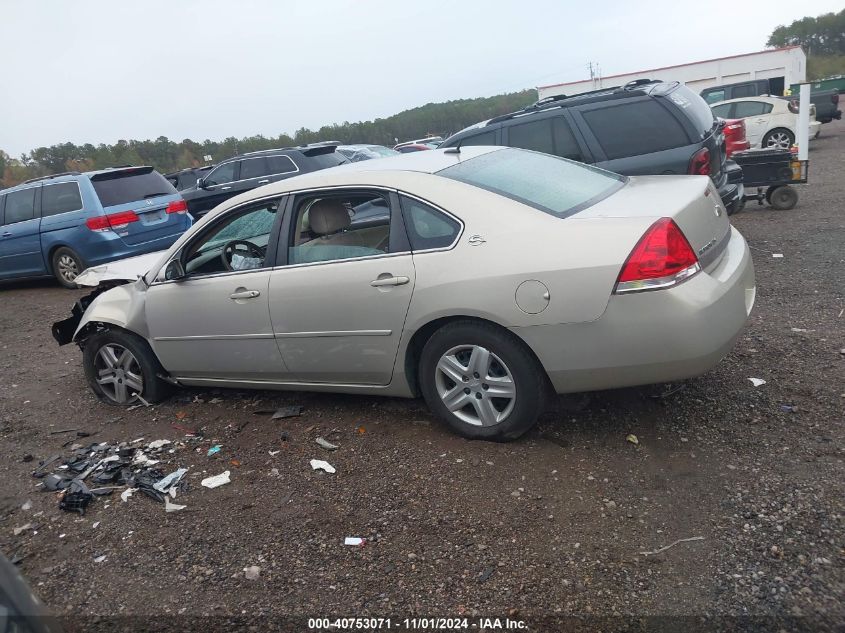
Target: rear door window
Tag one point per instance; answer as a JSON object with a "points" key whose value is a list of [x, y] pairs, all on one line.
{"points": [[427, 227], [62, 197], [253, 168], [744, 109], [20, 205], [715, 96], [745, 90], [485, 138], [635, 128], [281, 165], [122, 186], [551, 136]]}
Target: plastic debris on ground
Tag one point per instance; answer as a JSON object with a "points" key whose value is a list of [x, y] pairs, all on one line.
{"points": [[100, 559], [633, 439], [252, 572], [172, 507], [27, 506], [216, 480], [214, 450], [777, 255], [354, 540], [20, 530], [788, 408], [326, 444], [170, 480], [757, 381], [287, 412], [319, 464], [124, 496]]}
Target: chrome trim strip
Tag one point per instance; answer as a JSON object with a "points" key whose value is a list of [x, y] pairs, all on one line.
{"points": [[286, 383], [624, 287], [334, 333], [213, 337]]}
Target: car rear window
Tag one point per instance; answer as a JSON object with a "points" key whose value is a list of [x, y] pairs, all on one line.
{"points": [[553, 185], [323, 161], [635, 128], [120, 187], [695, 107], [58, 198]]}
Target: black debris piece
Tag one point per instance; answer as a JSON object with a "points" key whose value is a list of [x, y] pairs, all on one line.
{"points": [[55, 482], [27, 458], [75, 501], [41, 471], [288, 412]]}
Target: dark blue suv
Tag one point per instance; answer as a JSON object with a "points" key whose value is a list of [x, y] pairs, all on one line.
{"points": [[61, 224]]}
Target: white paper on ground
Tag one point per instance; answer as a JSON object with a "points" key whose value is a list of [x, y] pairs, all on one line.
{"points": [[216, 480], [319, 464]]}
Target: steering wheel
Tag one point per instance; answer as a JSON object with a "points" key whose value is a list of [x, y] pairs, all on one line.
{"points": [[243, 247]]}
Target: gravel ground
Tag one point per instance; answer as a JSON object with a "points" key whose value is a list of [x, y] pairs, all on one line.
{"points": [[549, 531]]}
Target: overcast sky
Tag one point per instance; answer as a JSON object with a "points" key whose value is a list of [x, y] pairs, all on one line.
{"points": [[98, 70]]}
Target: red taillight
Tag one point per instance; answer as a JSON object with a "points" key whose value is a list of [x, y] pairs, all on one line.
{"points": [[699, 164], [112, 221], [178, 206], [662, 258]]}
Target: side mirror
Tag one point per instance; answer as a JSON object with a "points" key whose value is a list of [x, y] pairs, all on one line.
{"points": [[201, 184], [174, 270]]}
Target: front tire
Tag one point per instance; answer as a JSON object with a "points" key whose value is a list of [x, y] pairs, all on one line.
{"points": [[779, 138], [66, 266], [783, 198], [120, 366], [482, 381]]}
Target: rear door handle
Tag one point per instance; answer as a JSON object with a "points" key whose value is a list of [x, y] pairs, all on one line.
{"points": [[261, 182], [224, 188], [245, 294], [389, 281]]}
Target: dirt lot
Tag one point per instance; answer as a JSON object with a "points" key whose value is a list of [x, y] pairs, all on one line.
{"points": [[547, 528]]}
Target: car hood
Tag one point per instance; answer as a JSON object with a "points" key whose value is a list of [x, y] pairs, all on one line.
{"points": [[128, 269]]}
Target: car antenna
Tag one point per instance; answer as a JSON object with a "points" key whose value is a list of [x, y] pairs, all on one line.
{"points": [[453, 150]]}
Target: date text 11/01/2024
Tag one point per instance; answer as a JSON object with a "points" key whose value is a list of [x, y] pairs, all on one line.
{"points": [[417, 624]]}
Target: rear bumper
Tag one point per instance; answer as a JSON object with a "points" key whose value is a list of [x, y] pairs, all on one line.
{"points": [[114, 249], [732, 190], [652, 337]]}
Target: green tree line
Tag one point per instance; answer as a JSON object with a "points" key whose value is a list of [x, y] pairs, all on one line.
{"points": [[167, 156]]}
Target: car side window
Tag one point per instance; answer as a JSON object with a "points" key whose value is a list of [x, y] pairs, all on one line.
{"points": [[533, 135], [427, 227], [714, 96], [634, 128], [238, 242], [745, 90], [20, 205], [62, 197], [253, 168], [281, 165], [335, 226], [723, 110], [485, 138], [745, 109], [223, 174]]}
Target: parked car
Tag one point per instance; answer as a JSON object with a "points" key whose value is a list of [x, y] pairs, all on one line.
{"points": [[408, 148], [826, 101], [248, 171], [187, 178], [495, 275], [769, 121], [58, 225], [735, 137], [644, 127], [365, 152], [429, 142]]}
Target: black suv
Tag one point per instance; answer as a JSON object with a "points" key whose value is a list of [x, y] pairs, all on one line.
{"points": [[187, 178], [242, 173], [643, 127]]}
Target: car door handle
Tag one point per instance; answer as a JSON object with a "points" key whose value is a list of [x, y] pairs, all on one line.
{"points": [[7, 234], [261, 182], [389, 281], [245, 294], [224, 188]]}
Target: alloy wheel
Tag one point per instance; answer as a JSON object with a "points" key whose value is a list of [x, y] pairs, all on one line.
{"points": [[118, 373], [67, 267], [475, 385], [779, 140]]}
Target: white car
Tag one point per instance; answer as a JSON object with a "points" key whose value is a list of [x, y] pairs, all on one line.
{"points": [[769, 121]]}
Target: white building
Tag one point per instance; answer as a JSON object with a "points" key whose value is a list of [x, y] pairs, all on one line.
{"points": [[786, 65]]}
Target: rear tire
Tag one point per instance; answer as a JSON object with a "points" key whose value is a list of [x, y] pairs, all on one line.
{"points": [[779, 138], [66, 266], [465, 363], [783, 198], [119, 365]]}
